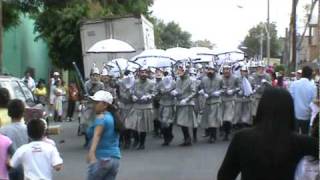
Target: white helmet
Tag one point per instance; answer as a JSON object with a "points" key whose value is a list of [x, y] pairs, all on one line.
{"points": [[226, 66], [104, 72], [192, 71], [95, 70], [261, 64], [244, 68], [144, 68]]}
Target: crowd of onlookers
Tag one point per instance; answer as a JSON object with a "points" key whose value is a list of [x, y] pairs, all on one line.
{"points": [[25, 151]]}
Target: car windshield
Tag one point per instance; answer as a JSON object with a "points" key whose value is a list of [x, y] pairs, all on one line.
{"points": [[18, 91]]}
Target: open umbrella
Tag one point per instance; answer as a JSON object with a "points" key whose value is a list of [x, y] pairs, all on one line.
{"points": [[111, 46], [180, 54], [153, 58]]}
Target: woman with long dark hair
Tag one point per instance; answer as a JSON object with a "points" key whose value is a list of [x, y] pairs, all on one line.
{"points": [[271, 149], [104, 152]]}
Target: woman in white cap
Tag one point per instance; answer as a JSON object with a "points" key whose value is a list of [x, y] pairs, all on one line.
{"points": [[104, 152]]}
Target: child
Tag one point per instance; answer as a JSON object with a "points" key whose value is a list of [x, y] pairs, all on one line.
{"points": [[38, 157], [45, 138], [5, 148], [17, 130]]}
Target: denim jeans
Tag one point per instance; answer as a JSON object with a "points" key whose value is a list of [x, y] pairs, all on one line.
{"points": [[104, 169]]}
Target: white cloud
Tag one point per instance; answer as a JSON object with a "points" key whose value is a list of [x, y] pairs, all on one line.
{"points": [[221, 21]]}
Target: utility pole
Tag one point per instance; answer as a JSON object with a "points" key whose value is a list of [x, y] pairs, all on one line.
{"points": [[294, 34], [268, 33], [261, 45]]}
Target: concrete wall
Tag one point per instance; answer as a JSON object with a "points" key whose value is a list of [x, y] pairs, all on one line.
{"points": [[20, 51]]}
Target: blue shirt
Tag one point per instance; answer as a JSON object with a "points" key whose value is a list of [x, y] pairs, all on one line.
{"points": [[109, 143], [303, 92]]}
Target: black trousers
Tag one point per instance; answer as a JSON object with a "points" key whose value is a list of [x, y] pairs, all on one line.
{"points": [[167, 133], [71, 107], [226, 128], [186, 134], [303, 125], [212, 132]]}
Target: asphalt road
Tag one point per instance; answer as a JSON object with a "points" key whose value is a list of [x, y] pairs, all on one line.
{"points": [[198, 162]]}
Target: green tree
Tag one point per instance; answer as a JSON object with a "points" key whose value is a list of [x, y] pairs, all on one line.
{"points": [[252, 41], [59, 23], [12, 10], [203, 43], [171, 35]]}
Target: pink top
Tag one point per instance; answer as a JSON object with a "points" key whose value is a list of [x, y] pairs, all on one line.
{"points": [[5, 143]]}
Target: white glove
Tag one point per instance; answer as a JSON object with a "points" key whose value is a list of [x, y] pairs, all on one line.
{"points": [[205, 95], [174, 93], [144, 98], [230, 92], [263, 81], [201, 92], [240, 92], [183, 102], [216, 93], [134, 98]]}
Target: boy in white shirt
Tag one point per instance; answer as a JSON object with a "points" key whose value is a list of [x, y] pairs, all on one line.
{"points": [[38, 157]]}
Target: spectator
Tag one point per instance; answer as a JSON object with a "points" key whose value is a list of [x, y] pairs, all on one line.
{"points": [[38, 157], [308, 167], [73, 94], [59, 93], [5, 151], [29, 81], [303, 92], [16, 131], [52, 82], [41, 92], [298, 74], [271, 149], [104, 153], [4, 99]]}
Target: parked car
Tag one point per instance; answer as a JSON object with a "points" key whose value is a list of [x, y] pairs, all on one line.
{"points": [[18, 90]]}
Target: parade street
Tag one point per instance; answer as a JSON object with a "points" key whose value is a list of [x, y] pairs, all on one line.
{"points": [[198, 162]]}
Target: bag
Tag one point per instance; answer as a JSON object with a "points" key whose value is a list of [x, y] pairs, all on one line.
{"points": [[307, 169]]}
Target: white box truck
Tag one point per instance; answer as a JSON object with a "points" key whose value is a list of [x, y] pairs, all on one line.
{"points": [[135, 30]]}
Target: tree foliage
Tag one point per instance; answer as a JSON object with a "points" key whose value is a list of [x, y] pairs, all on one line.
{"points": [[252, 41], [170, 35], [12, 10], [203, 43], [58, 21]]}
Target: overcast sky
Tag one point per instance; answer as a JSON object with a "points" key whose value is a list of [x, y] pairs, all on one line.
{"points": [[222, 21]]}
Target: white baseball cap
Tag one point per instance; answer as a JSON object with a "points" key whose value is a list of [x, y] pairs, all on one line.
{"points": [[56, 74], [103, 96]]}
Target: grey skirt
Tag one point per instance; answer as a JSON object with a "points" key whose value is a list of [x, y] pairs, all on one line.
{"points": [[228, 110], [211, 116], [140, 120], [167, 115], [185, 116]]}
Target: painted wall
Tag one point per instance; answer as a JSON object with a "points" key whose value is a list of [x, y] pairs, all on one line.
{"points": [[20, 51]]}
